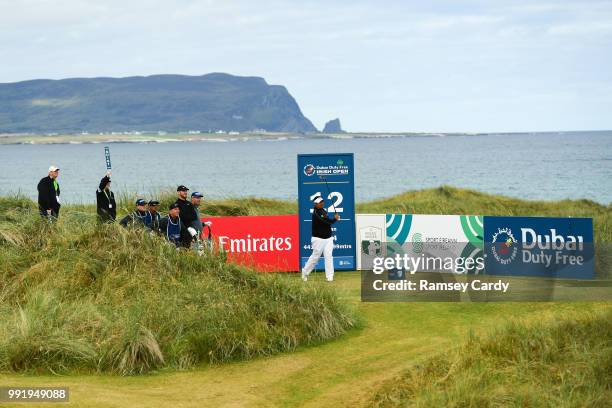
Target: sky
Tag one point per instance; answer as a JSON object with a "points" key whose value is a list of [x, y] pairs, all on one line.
{"points": [[379, 66]]}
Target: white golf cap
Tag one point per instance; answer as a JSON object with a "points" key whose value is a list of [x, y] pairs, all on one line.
{"points": [[53, 168], [317, 200]]}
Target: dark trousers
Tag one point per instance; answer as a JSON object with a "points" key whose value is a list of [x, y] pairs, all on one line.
{"points": [[54, 213]]}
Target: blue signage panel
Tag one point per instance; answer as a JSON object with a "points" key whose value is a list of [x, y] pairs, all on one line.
{"points": [[332, 177], [537, 246]]}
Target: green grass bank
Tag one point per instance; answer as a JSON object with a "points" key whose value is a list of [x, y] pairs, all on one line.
{"points": [[560, 360], [76, 297]]}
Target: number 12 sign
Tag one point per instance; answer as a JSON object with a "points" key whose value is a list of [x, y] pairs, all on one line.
{"points": [[332, 177]]}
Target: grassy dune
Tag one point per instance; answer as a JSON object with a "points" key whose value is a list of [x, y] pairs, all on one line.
{"points": [[562, 360], [345, 372], [78, 296], [441, 200], [393, 339]]}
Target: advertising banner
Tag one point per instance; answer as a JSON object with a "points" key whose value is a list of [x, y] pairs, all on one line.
{"points": [[435, 236], [406, 257], [371, 239], [330, 176], [538, 246], [419, 237], [268, 243]]}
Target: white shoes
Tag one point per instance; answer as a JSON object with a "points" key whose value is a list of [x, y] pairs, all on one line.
{"points": [[305, 277]]}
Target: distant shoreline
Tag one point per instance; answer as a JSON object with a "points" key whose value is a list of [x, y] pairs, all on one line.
{"points": [[163, 137]]}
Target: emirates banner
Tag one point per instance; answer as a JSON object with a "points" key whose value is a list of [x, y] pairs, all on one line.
{"points": [[267, 243]]}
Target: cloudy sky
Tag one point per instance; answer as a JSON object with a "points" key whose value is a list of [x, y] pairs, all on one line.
{"points": [[431, 66]]}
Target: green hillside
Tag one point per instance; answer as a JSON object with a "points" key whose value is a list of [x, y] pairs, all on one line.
{"points": [[560, 360], [54, 298], [168, 103], [79, 296]]}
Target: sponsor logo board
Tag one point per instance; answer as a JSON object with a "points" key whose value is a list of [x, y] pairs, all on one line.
{"points": [[419, 236], [539, 246], [330, 176], [267, 243]]}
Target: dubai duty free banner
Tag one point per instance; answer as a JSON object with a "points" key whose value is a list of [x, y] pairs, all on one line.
{"points": [[559, 248], [405, 257]]}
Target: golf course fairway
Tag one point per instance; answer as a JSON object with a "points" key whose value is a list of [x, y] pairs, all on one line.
{"points": [[344, 372]]}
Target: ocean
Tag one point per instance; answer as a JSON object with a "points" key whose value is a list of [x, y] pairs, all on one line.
{"points": [[544, 166]]}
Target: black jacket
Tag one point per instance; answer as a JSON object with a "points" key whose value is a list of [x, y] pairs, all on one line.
{"points": [[321, 223], [134, 218], [47, 196], [155, 220], [185, 237], [188, 213], [105, 202]]}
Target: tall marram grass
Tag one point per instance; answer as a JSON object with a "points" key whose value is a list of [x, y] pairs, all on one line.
{"points": [[79, 296], [564, 360], [452, 200]]}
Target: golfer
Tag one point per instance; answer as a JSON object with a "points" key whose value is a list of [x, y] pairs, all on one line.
{"points": [[49, 194], [322, 240]]}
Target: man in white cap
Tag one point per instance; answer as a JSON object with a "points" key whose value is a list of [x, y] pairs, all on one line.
{"points": [[322, 240], [49, 194]]}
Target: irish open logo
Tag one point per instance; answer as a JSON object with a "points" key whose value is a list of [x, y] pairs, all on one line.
{"points": [[309, 169], [504, 246]]}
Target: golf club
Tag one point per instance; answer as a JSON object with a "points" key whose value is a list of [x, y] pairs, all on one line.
{"points": [[329, 193], [200, 242]]}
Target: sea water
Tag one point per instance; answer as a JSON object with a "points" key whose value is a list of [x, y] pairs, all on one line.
{"points": [[547, 166]]}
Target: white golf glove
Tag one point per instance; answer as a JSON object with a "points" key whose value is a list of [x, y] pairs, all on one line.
{"points": [[192, 231], [208, 223]]}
